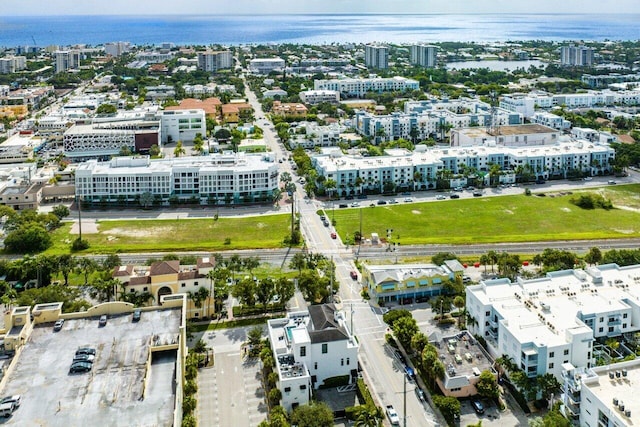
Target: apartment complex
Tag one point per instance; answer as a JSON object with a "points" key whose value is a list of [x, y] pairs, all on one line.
{"points": [[408, 283], [182, 125], [423, 55], [314, 97], [219, 178], [550, 120], [315, 135], [166, 278], [422, 168], [310, 347], [288, 109], [12, 64], [117, 48], [67, 60], [266, 65], [602, 396], [543, 324], [356, 87], [212, 61], [579, 56], [376, 56]]}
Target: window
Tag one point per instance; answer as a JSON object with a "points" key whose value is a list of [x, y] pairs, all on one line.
{"points": [[550, 365], [303, 387], [610, 328], [552, 354], [287, 389], [566, 361], [183, 285], [325, 348], [315, 366], [341, 362], [624, 325], [624, 315], [145, 289], [303, 351], [602, 319], [195, 283], [600, 329], [487, 313], [566, 352], [347, 361], [589, 355]]}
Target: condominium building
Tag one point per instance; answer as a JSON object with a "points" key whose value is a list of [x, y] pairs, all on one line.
{"points": [[602, 396], [153, 57], [288, 109], [315, 135], [67, 60], [408, 283], [550, 120], [376, 56], [421, 169], [423, 55], [182, 125], [310, 347], [220, 178], [266, 65], [166, 278], [12, 64], [356, 87], [212, 61], [314, 97], [117, 48], [579, 56], [543, 324], [513, 136], [103, 140]]}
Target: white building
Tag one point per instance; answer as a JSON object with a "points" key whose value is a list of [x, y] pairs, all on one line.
{"points": [[117, 48], [310, 347], [376, 56], [212, 61], [576, 55], [550, 120], [272, 93], [182, 125], [518, 135], [67, 60], [12, 64], [153, 57], [423, 55], [602, 396], [314, 97], [220, 178], [419, 170], [545, 323], [356, 87], [266, 65], [315, 135]]}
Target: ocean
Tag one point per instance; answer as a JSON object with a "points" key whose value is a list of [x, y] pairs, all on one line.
{"points": [[312, 29]]}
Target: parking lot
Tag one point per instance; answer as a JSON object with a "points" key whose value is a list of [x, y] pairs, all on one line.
{"points": [[113, 393]]}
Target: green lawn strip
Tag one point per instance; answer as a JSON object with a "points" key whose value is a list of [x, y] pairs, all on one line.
{"points": [[169, 235], [516, 218]]}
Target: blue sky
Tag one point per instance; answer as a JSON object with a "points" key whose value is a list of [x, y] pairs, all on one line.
{"points": [[150, 7]]}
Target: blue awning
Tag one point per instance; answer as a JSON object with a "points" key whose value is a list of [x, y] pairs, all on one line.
{"points": [[411, 284], [423, 282], [389, 287], [437, 280]]}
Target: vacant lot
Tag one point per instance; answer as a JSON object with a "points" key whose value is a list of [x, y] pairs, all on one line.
{"points": [[499, 219], [267, 231]]}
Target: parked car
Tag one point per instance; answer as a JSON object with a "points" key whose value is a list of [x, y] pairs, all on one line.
{"points": [[137, 313], [411, 375], [393, 201], [362, 196], [6, 409], [103, 320], [454, 196], [419, 394], [382, 202], [354, 275], [440, 197], [326, 223], [83, 358], [394, 419], [477, 194], [355, 204], [334, 235], [401, 358], [58, 325], [477, 406], [80, 367], [408, 199], [16, 399], [86, 350], [611, 182]]}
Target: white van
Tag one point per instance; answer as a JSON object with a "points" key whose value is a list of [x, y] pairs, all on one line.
{"points": [[6, 409]]}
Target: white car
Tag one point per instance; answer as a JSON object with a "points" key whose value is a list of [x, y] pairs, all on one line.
{"points": [[408, 199], [393, 416], [440, 197]]}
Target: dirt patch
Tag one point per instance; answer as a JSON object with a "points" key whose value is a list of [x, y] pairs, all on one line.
{"points": [[508, 211], [416, 212], [147, 232], [565, 209], [261, 225], [89, 226], [624, 231]]}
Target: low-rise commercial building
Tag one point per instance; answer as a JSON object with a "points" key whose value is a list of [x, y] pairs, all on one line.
{"points": [[214, 179], [314, 97], [356, 87], [293, 109], [182, 125], [266, 65], [406, 283], [310, 347]]}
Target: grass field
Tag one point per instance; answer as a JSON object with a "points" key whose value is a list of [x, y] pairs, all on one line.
{"points": [[177, 235], [517, 218]]}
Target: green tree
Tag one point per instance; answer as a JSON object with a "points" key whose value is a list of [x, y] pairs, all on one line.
{"points": [[106, 109], [28, 238], [448, 406], [368, 416], [285, 289], [179, 150], [66, 264], [265, 290], [487, 385], [548, 385], [594, 256], [254, 340], [146, 199], [245, 291], [154, 150], [404, 329], [317, 414], [391, 316], [441, 257], [61, 211]]}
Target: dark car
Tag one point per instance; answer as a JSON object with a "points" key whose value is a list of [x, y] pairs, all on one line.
{"points": [[477, 194], [80, 367], [454, 196], [382, 202], [349, 198], [86, 350], [419, 394], [411, 375], [362, 196], [477, 406], [401, 358], [136, 315], [83, 358]]}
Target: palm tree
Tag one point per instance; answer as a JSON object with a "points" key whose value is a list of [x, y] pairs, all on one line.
{"points": [[179, 150], [368, 416]]}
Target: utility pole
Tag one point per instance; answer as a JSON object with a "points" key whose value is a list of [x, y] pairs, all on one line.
{"points": [[405, 400]]}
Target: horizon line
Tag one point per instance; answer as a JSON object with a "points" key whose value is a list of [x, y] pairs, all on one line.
{"points": [[325, 14]]}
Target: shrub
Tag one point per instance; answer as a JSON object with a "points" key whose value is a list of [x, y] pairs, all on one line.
{"points": [[364, 394], [335, 381], [350, 412], [591, 201]]}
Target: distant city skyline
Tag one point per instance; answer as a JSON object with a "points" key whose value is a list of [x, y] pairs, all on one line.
{"points": [[258, 7]]}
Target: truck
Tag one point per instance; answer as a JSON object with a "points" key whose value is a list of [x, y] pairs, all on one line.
{"points": [[393, 416]]}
